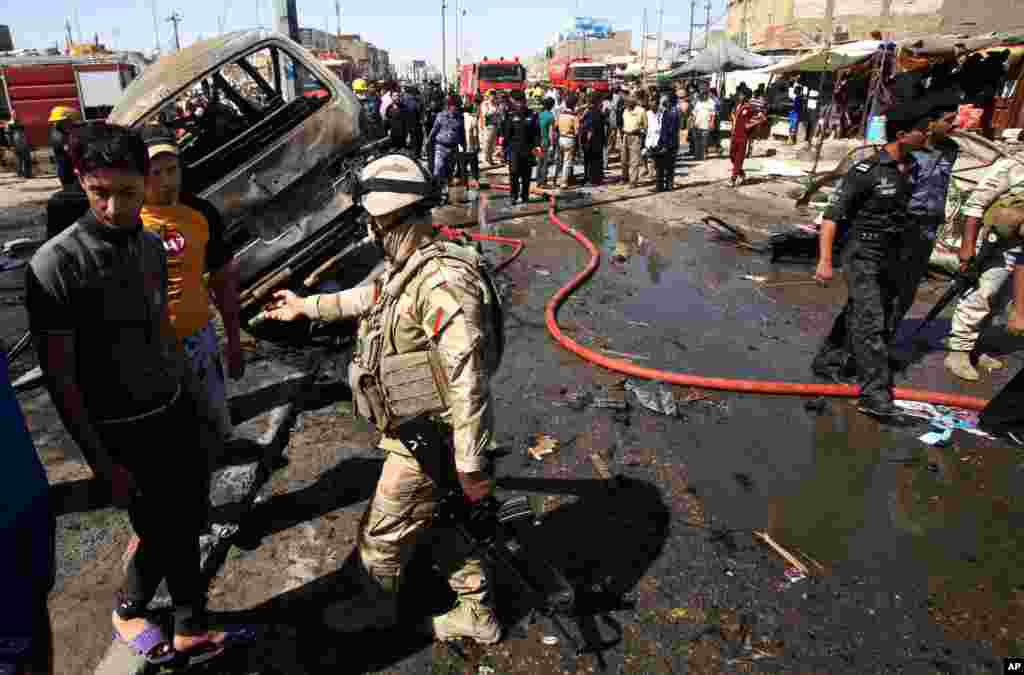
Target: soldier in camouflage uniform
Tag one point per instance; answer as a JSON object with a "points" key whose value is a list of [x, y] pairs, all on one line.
{"points": [[434, 299], [872, 202]]}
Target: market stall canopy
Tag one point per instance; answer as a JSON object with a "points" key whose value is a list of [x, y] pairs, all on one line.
{"points": [[836, 58], [945, 45], [723, 57]]}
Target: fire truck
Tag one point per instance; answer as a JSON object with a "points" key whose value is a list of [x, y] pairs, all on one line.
{"points": [[341, 66], [477, 78], [579, 74], [32, 86]]}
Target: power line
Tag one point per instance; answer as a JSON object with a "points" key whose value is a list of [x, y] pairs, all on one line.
{"points": [[175, 18]]}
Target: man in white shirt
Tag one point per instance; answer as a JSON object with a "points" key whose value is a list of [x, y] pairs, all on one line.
{"points": [[703, 123]]}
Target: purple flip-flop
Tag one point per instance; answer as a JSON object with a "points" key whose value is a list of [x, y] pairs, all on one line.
{"points": [[147, 641]]}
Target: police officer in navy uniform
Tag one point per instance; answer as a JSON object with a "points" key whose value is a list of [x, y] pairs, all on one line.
{"points": [[872, 202], [521, 132]]}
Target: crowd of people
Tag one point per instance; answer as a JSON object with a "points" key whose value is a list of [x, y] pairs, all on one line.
{"points": [[119, 306]]}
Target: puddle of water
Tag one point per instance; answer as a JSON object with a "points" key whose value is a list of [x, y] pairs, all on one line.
{"points": [[951, 518]]}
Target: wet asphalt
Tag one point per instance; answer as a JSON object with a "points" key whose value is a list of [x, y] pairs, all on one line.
{"points": [[914, 551]]}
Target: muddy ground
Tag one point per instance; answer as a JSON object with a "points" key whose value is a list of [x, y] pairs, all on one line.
{"points": [[913, 551]]}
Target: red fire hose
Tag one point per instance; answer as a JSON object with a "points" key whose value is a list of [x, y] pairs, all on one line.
{"points": [[685, 379]]}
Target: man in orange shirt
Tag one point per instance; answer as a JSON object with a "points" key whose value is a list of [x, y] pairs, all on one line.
{"points": [[192, 232]]}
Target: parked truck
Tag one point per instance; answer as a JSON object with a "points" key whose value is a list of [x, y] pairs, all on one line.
{"points": [[35, 85], [579, 74], [476, 79]]}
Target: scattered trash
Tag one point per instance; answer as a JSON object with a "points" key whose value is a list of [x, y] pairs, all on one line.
{"points": [[787, 556], [550, 640], [817, 405], [660, 401], [544, 446], [612, 403], [942, 419], [694, 395], [544, 273], [774, 167], [485, 670], [744, 480], [600, 465], [753, 277], [793, 575], [639, 324], [626, 355], [937, 439]]}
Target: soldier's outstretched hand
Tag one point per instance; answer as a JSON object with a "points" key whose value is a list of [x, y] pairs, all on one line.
{"points": [[285, 306]]}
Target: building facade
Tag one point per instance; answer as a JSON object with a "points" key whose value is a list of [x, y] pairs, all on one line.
{"points": [[370, 61], [788, 24], [619, 43]]}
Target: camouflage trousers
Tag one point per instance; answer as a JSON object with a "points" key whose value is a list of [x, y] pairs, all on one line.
{"points": [[401, 511], [863, 329]]}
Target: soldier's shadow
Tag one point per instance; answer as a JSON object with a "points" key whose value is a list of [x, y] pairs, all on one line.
{"points": [[603, 542]]}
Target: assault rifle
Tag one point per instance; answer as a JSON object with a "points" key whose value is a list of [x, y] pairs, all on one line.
{"points": [[965, 280], [489, 528]]}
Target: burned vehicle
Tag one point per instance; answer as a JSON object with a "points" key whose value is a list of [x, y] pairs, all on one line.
{"points": [[272, 139]]}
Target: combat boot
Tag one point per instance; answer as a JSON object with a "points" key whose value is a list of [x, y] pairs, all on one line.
{"points": [[374, 607], [959, 363], [469, 619], [990, 363]]}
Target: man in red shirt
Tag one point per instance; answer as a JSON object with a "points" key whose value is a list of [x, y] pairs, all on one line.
{"points": [[744, 121]]}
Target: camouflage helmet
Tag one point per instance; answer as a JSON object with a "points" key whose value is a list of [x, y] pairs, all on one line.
{"points": [[394, 182]]}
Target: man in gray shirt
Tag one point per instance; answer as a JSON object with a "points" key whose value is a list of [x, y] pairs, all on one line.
{"points": [[97, 302]]}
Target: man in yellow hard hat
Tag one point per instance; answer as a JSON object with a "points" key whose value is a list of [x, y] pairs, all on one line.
{"points": [[62, 118], [359, 86]]}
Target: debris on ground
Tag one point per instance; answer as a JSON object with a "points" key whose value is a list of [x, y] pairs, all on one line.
{"points": [[627, 355], [754, 278], [789, 557], [600, 465], [942, 419], [818, 405], [544, 446], [550, 640], [744, 481], [543, 272], [659, 401]]}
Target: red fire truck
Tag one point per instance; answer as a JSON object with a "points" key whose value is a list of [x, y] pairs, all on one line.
{"points": [[578, 74], [477, 78], [32, 86]]}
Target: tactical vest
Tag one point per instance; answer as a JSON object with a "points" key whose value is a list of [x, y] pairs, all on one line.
{"points": [[392, 390]]}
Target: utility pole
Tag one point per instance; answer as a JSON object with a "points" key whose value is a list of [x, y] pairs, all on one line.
{"points": [[707, 26], [337, 11], [67, 26], [661, 21], [643, 51], [175, 18], [156, 26], [444, 49], [746, 26], [689, 45]]}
